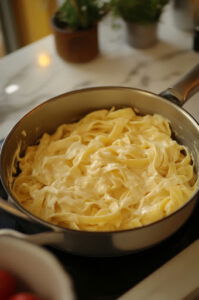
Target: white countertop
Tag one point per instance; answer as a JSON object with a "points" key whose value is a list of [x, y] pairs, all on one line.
{"points": [[178, 279], [35, 73]]}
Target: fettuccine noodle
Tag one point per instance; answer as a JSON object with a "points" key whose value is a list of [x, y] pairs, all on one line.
{"points": [[112, 170]]}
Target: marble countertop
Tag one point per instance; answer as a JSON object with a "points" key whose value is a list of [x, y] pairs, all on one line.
{"points": [[35, 73]]}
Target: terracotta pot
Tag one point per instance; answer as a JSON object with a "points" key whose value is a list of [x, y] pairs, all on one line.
{"points": [[76, 46], [141, 36]]}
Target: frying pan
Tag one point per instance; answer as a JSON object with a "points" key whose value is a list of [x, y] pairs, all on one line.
{"points": [[73, 105]]}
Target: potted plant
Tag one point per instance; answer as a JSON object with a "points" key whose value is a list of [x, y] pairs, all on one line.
{"points": [[141, 18], [75, 25]]}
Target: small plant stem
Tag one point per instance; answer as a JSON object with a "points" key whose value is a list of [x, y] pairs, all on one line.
{"points": [[75, 4]]}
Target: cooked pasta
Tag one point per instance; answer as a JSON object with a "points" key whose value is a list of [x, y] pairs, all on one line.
{"points": [[112, 170]]}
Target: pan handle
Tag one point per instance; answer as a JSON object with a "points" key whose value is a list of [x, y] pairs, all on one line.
{"points": [[188, 85], [44, 238], [5, 205]]}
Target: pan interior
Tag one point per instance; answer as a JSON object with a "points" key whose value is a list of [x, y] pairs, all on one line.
{"points": [[72, 106]]}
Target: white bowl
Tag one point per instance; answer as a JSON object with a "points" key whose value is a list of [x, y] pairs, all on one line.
{"points": [[36, 268]]}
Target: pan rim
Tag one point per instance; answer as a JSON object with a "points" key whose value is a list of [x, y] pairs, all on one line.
{"points": [[59, 228]]}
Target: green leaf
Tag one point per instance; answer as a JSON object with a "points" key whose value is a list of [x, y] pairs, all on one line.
{"points": [[139, 11], [81, 14]]}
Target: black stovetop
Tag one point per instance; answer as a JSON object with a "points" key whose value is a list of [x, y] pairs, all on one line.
{"points": [[109, 278]]}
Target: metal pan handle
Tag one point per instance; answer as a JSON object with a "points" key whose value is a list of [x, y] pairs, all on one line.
{"points": [[44, 238], [188, 85], [5, 205]]}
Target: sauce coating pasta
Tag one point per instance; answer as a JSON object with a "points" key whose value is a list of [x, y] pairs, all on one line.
{"points": [[112, 170]]}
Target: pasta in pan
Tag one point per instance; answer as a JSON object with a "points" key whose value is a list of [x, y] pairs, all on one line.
{"points": [[112, 170]]}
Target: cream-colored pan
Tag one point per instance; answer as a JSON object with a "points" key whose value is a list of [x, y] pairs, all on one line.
{"points": [[73, 105]]}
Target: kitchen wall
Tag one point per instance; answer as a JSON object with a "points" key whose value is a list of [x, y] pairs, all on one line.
{"points": [[25, 21], [2, 46], [33, 19]]}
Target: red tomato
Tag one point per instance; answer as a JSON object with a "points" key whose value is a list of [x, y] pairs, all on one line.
{"points": [[7, 284], [24, 296]]}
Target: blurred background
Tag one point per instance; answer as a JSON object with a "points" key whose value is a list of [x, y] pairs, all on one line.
{"points": [[23, 22]]}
